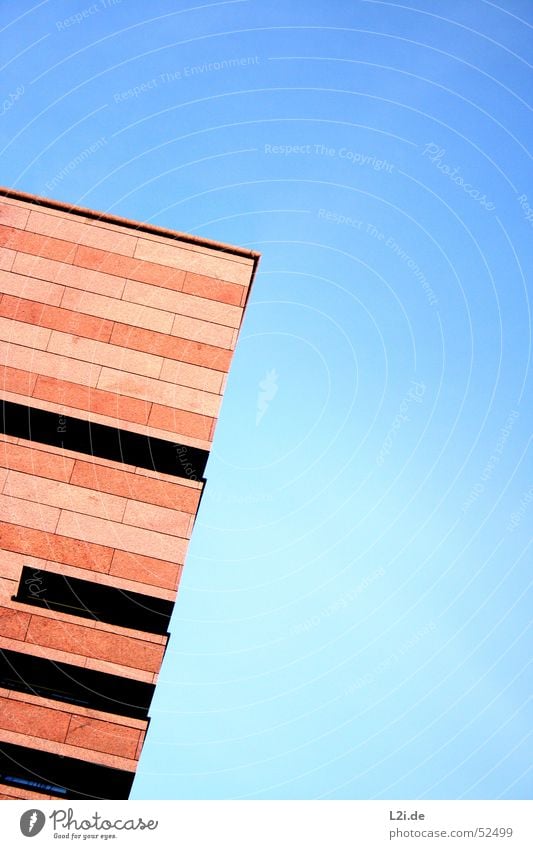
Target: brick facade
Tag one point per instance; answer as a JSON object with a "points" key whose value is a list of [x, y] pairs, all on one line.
{"points": [[115, 339]]}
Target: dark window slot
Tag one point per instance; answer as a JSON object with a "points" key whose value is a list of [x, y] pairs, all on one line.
{"points": [[68, 778], [76, 685], [93, 601], [103, 441]]}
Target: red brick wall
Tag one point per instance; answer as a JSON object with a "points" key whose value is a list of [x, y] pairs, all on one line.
{"points": [[130, 327]]}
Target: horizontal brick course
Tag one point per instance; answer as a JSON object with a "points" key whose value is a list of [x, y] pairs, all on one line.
{"points": [[159, 391], [173, 522], [13, 623], [199, 260], [31, 243], [133, 269], [22, 458], [55, 318], [13, 216], [145, 569], [130, 485], [127, 538], [217, 290], [17, 380], [63, 495], [54, 547], [7, 258], [173, 435], [67, 750], [23, 286], [182, 303], [178, 421], [31, 359], [94, 351], [28, 514], [110, 404], [122, 311], [103, 736], [34, 720], [125, 651]]}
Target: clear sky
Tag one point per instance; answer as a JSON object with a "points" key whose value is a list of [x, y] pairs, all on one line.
{"points": [[353, 616]]}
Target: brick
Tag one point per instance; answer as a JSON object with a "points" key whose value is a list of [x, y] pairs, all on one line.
{"points": [[112, 421], [31, 243], [17, 380], [197, 259], [7, 258], [202, 331], [22, 458], [183, 304], [8, 588], [77, 455], [77, 711], [64, 496], [146, 570], [78, 398], [27, 287], [180, 422], [81, 233], [136, 487], [155, 518], [171, 347], [45, 363], [73, 276], [55, 547], [103, 736], [31, 719], [217, 290], [70, 345], [102, 578], [21, 512], [125, 651], [125, 537], [133, 269], [13, 623], [45, 651], [185, 374], [168, 394], [120, 669], [135, 314], [55, 318], [13, 216]]}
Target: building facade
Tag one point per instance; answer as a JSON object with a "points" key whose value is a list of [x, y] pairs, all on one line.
{"points": [[116, 338]]}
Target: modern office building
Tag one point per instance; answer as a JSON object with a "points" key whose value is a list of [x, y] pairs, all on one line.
{"points": [[116, 339]]}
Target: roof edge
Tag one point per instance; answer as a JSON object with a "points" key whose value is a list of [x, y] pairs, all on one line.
{"points": [[126, 222]]}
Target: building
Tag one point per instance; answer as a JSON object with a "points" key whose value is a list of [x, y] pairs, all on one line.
{"points": [[116, 338]]}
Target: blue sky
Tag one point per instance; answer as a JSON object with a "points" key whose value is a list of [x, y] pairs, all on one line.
{"points": [[353, 618]]}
